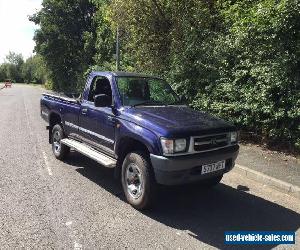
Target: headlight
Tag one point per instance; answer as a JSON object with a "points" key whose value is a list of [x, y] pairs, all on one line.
{"points": [[233, 137], [173, 146], [180, 145]]}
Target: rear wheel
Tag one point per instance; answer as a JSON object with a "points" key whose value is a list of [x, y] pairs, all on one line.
{"points": [[60, 150], [138, 181]]}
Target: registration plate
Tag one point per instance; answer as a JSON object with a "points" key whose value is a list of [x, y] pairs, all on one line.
{"points": [[213, 167]]}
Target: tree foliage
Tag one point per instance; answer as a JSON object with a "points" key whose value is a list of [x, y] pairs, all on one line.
{"points": [[64, 38], [258, 69], [32, 70], [12, 67], [237, 59]]}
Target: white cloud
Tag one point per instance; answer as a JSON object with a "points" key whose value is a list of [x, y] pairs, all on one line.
{"points": [[16, 31]]}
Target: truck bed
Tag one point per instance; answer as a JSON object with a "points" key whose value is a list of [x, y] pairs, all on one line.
{"points": [[68, 97], [55, 102]]}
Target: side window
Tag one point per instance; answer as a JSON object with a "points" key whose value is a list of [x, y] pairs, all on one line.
{"points": [[91, 93], [99, 85]]}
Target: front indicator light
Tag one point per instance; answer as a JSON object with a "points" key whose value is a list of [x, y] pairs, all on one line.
{"points": [[167, 146], [233, 137]]}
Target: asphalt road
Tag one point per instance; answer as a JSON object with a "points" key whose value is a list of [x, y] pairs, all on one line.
{"points": [[76, 204]]}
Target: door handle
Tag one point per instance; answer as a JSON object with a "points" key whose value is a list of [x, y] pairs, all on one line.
{"points": [[84, 111]]}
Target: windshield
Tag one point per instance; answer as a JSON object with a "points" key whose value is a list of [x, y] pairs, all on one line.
{"points": [[136, 91]]}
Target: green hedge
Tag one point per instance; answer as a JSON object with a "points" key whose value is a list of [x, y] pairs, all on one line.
{"points": [[249, 71]]}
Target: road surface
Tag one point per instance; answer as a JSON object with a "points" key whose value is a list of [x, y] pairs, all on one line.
{"points": [[76, 204]]}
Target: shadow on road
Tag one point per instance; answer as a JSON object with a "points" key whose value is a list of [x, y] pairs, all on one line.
{"points": [[204, 213]]}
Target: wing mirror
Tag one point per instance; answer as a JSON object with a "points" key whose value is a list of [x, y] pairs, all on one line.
{"points": [[102, 100]]}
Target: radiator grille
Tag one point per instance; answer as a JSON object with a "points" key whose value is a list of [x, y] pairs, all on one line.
{"points": [[210, 142]]}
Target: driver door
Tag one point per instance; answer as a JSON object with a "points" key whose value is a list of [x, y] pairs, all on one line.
{"points": [[97, 125]]}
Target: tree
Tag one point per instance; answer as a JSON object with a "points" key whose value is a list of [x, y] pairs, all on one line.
{"points": [[236, 59], [14, 66], [64, 38], [145, 27], [105, 36], [3, 72], [258, 86], [34, 70], [15, 59]]}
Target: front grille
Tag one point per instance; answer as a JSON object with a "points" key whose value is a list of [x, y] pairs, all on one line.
{"points": [[210, 142]]}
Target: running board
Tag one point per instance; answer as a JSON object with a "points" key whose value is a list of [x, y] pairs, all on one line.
{"points": [[90, 152]]}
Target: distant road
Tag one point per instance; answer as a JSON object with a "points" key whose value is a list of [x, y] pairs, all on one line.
{"points": [[49, 204]]}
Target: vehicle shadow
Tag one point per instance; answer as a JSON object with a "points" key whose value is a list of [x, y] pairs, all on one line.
{"points": [[204, 213]]}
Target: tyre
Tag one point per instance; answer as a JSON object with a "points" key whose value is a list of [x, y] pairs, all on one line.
{"points": [[138, 180], [60, 151]]}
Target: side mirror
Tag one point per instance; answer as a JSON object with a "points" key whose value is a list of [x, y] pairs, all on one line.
{"points": [[102, 100]]}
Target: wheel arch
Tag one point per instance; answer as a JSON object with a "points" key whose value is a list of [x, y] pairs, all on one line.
{"points": [[126, 145]]}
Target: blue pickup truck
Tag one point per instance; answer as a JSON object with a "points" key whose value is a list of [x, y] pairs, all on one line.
{"points": [[139, 126]]}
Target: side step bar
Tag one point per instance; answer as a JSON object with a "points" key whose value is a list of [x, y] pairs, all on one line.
{"points": [[90, 152]]}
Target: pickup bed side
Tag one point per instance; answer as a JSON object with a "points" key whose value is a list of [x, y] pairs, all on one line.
{"points": [[57, 110]]}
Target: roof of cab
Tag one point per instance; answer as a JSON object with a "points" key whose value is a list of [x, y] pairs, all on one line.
{"points": [[121, 73]]}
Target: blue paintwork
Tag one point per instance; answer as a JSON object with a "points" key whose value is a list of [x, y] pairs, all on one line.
{"points": [[145, 124]]}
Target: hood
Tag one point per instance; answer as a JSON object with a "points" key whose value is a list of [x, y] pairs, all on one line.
{"points": [[176, 120]]}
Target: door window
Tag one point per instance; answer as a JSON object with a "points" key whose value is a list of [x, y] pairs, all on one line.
{"points": [[99, 85]]}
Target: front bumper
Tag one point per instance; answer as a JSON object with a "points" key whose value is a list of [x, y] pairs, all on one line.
{"points": [[186, 169]]}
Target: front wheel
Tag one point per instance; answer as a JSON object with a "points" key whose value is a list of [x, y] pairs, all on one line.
{"points": [[60, 150], [138, 180]]}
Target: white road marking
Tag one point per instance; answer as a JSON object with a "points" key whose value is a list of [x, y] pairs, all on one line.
{"points": [[27, 115], [77, 246], [69, 223], [47, 163]]}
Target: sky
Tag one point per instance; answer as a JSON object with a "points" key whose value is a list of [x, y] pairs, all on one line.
{"points": [[16, 31]]}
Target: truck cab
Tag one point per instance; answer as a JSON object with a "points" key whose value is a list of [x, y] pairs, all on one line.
{"points": [[139, 126]]}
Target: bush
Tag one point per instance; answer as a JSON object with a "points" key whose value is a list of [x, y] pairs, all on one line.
{"points": [[248, 71]]}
